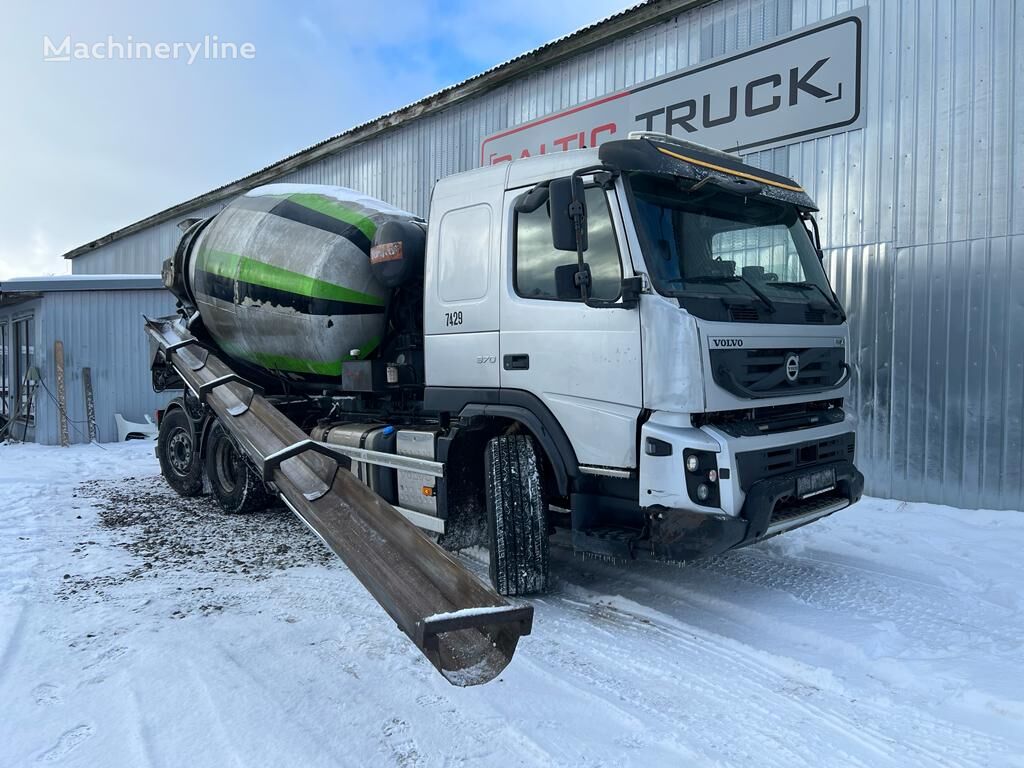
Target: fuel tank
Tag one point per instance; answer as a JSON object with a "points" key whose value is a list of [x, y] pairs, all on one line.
{"points": [[282, 278]]}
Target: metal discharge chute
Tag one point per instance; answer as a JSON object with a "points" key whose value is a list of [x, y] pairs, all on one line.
{"points": [[281, 281]]}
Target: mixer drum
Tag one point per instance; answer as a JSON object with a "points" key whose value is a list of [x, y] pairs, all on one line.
{"points": [[282, 279]]}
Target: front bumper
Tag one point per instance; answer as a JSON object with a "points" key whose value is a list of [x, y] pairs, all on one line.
{"points": [[772, 506]]}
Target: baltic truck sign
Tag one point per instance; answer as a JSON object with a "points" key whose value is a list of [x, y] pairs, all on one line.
{"points": [[798, 86]]}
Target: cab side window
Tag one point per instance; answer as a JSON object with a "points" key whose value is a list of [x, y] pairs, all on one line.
{"points": [[536, 259]]}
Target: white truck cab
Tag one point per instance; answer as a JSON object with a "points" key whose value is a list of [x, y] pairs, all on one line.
{"points": [[693, 401]]}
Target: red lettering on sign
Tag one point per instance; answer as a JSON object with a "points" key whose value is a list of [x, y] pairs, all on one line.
{"points": [[524, 153], [601, 132], [606, 128]]}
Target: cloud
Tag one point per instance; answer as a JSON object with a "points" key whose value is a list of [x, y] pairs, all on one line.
{"points": [[31, 256], [93, 146]]}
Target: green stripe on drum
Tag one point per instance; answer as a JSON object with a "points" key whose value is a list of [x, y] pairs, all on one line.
{"points": [[288, 364], [248, 270], [335, 210]]}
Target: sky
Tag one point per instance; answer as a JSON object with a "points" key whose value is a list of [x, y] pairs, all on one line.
{"points": [[88, 145]]}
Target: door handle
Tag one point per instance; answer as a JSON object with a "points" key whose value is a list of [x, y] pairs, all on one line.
{"points": [[516, 362]]}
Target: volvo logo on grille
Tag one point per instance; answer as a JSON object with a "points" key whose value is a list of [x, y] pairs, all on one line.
{"points": [[792, 367]]}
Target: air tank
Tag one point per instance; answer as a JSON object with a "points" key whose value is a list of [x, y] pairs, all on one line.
{"points": [[282, 279]]}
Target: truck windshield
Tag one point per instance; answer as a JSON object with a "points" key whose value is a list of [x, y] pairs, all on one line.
{"points": [[714, 250]]}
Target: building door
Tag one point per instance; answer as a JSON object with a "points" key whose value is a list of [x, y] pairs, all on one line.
{"points": [[23, 404], [5, 357]]}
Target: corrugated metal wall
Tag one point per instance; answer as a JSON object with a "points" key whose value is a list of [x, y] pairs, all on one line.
{"points": [[922, 211], [101, 330], [141, 253]]}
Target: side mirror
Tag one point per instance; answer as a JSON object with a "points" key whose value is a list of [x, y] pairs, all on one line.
{"points": [[567, 284], [567, 198]]}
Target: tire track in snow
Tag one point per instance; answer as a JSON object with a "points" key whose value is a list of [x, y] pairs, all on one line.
{"points": [[845, 712], [13, 641], [239, 676], [143, 738], [923, 613], [875, 739], [213, 718], [711, 696], [475, 740], [732, 681]]}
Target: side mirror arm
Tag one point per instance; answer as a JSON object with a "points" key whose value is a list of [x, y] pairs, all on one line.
{"points": [[606, 176], [632, 287], [807, 218]]}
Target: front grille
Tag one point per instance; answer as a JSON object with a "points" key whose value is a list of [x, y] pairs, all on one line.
{"points": [[771, 462], [763, 372], [813, 315]]}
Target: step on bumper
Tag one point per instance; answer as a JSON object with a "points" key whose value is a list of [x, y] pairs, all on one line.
{"points": [[772, 507]]}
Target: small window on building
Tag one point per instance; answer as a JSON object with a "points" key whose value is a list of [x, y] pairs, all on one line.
{"points": [[24, 360], [536, 259]]}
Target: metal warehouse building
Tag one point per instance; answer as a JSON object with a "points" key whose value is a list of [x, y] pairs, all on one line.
{"points": [[80, 312], [904, 119]]}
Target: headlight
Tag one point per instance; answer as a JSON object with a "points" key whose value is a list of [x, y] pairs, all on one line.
{"points": [[702, 477]]}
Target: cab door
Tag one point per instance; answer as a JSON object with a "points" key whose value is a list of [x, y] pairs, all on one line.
{"points": [[582, 362]]}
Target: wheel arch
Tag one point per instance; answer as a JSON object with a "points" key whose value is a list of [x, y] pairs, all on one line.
{"points": [[176, 404], [559, 453], [518, 406]]}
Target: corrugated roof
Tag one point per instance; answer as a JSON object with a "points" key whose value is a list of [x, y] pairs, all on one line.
{"points": [[635, 17], [50, 283]]}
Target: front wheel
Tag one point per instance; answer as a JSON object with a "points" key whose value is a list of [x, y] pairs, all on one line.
{"points": [[517, 516], [176, 448], [233, 481]]}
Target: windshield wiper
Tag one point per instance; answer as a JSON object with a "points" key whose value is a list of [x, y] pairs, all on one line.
{"points": [[830, 299], [769, 304], [760, 294]]}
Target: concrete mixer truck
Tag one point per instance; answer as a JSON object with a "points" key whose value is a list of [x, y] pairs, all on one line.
{"points": [[636, 345]]}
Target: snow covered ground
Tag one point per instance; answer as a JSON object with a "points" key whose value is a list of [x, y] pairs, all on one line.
{"points": [[139, 629]]}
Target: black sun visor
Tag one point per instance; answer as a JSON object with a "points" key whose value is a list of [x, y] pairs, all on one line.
{"points": [[692, 161]]}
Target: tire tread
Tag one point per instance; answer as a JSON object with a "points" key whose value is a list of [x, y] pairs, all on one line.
{"points": [[517, 516], [250, 495], [190, 484]]}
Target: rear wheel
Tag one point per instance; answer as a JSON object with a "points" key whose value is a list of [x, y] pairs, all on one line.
{"points": [[180, 463], [233, 481], [517, 520]]}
